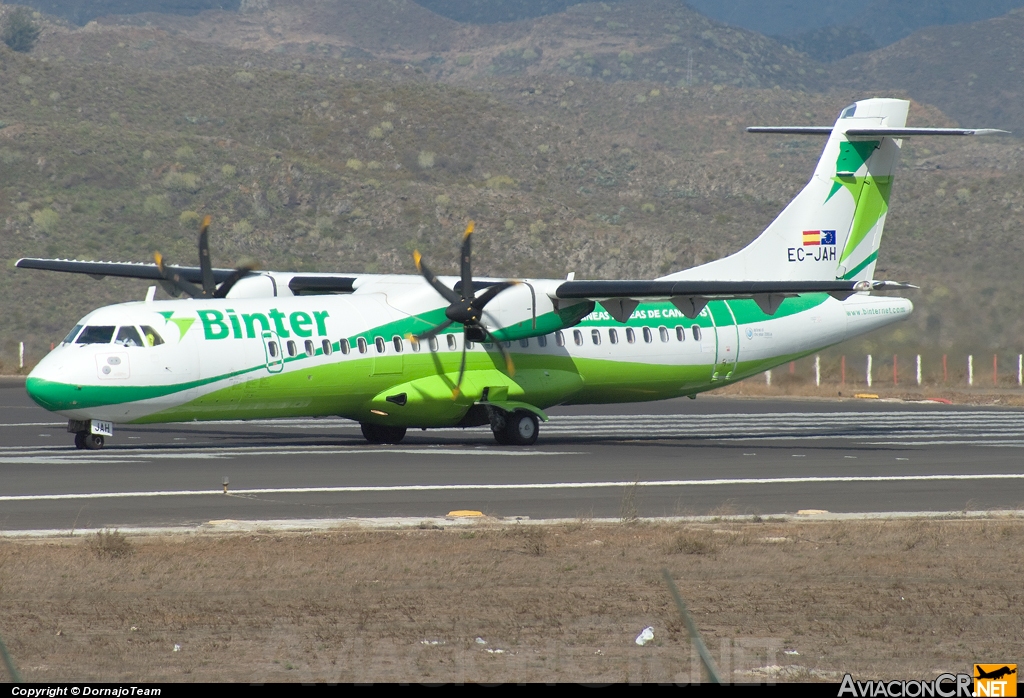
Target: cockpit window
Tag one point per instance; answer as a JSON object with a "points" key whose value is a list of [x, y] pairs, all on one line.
{"points": [[96, 334], [72, 334], [128, 336], [153, 337], [848, 112]]}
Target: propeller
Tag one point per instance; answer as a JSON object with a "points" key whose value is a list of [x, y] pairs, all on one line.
{"points": [[465, 307], [175, 284]]}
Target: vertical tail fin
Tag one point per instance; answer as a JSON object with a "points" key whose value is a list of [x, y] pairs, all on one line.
{"points": [[833, 228]]}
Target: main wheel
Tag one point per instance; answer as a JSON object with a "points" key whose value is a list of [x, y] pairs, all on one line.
{"points": [[521, 428], [80, 439], [93, 442], [377, 434]]}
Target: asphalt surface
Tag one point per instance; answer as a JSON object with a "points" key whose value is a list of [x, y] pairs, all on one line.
{"points": [[680, 457]]}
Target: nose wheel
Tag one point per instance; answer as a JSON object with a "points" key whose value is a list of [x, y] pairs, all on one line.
{"points": [[87, 441]]}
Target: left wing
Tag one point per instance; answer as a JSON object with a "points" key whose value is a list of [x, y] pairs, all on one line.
{"points": [[620, 298], [129, 270]]}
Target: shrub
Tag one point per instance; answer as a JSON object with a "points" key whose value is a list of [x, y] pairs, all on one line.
{"points": [[463, 61], [111, 544], [387, 126], [425, 159], [442, 200], [183, 181], [243, 77], [647, 208], [376, 133], [188, 219], [228, 170], [500, 182], [46, 220], [184, 153], [354, 164], [157, 205], [19, 31], [242, 227]]}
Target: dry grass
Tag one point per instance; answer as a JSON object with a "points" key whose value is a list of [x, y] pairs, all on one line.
{"points": [[879, 599]]}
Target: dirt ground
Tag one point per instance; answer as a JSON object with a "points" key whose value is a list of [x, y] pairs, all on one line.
{"points": [[775, 601]]}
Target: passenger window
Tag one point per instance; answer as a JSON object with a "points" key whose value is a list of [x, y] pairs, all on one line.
{"points": [[577, 337], [542, 340], [524, 343], [291, 348], [397, 341], [451, 341], [433, 344], [379, 343], [469, 345], [595, 336], [630, 335], [696, 333], [613, 336], [128, 337], [414, 343], [326, 344], [72, 334], [310, 349], [680, 333], [272, 349], [663, 331], [96, 334], [153, 338], [648, 336], [344, 346], [560, 338], [361, 343]]}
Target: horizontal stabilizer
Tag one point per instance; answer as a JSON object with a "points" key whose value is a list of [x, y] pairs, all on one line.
{"points": [[128, 270], [876, 132], [792, 130]]}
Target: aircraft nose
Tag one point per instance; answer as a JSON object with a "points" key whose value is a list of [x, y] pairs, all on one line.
{"points": [[47, 390]]}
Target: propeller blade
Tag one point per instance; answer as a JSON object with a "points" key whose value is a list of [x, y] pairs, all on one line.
{"points": [[488, 295], [462, 369], [228, 283], [448, 294], [430, 333], [467, 272], [209, 284], [172, 277], [509, 366]]}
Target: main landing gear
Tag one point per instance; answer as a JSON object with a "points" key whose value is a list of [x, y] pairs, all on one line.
{"points": [[377, 434], [519, 428], [85, 440]]}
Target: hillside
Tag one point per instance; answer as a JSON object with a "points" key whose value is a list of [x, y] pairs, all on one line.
{"points": [[116, 138], [973, 72]]}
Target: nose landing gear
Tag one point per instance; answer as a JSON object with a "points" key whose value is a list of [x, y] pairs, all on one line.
{"points": [[85, 440], [89, 433]]}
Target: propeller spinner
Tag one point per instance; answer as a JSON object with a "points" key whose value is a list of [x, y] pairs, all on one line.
{"points": [[175, 284], [465, 307]]}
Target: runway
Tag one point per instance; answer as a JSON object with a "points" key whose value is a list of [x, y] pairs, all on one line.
{"points": [[681, 457]]}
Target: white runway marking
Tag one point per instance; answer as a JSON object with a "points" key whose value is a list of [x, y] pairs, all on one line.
{"points": [[65, 455], [523, 486]]}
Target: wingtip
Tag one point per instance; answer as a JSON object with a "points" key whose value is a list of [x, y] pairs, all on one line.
{"points": [[469, 230], [416, 257], [206, 222]]}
